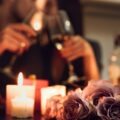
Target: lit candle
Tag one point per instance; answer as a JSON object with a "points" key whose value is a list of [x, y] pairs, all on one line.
{"points": [[20, 99], [48, 92]]}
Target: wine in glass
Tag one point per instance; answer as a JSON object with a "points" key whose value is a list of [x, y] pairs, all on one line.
{"points": [[59, 26]]}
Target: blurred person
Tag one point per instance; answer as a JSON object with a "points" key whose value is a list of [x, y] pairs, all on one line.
{"points": [[43, 60], [114, 64]]}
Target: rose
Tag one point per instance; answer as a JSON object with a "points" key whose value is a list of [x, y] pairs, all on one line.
{"points": [[109, 108], [60, 112], [92, 116], [96, 90], [99, 93], [75, 108], [117, 89]]}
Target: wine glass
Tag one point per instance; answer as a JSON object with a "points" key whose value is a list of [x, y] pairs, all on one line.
{"points": [[59, 25]]}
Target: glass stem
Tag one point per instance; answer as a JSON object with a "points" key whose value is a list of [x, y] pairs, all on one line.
{"points": [[12, 61], [8, 68], [71, 69]]}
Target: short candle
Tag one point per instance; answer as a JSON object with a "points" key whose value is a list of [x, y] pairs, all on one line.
{"points": [[48, 92]]}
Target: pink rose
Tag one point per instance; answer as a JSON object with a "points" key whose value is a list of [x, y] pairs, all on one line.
{"points": [[109, 109], [96, 90], [75, 108]]}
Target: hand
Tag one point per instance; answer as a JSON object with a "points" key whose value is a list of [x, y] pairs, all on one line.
{"points": [[75, 47], [16, 38]]}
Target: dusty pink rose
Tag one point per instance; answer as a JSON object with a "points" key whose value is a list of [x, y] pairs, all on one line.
{"points": [[109, 109], [96, 90], [75, 108]]}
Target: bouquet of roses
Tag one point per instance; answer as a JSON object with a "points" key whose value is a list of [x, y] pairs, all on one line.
{"points": [[99, 100]]}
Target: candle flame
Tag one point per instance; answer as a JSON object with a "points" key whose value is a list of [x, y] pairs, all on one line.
{"points": [[20, 79]]}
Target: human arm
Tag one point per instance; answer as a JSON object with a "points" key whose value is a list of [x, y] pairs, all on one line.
{"points": [[75, 47]]}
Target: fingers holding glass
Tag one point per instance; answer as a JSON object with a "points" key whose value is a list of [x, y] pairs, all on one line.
{"points": [[73, 49], [14, 40], [11, 44]]}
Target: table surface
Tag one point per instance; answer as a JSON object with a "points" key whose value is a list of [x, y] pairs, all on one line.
{"points": [[6, 117], [3, 116]]}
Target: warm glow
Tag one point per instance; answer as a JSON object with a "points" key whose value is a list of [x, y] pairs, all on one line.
{"points": [[36, 21], [20, 79], [40, 4], [37, 25], [22, 106], [114, 58], [59, 46]]}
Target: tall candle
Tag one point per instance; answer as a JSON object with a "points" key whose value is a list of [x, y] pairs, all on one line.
{"points": [[48, 92], [20, 99]]}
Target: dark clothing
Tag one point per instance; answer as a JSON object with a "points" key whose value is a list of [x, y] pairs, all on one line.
{"points": [[98, 53], [38, 61]]}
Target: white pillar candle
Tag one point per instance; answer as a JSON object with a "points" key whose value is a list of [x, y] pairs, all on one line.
{"points": [[48, 92], [18, 97]]}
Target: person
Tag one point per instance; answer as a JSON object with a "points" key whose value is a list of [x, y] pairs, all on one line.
{"points": [[43, 60], [114, 65]]}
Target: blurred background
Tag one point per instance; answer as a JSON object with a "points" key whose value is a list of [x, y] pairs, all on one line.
{"points": [[101, 23]]}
